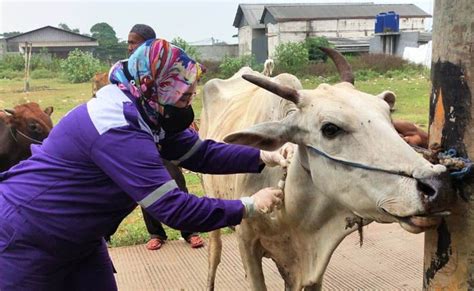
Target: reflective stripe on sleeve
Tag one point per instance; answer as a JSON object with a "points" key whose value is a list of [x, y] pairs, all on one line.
{"points": [[191, 152], [158, 193]]}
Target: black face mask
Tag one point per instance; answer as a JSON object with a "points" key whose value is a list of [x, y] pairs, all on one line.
{"points": [[176, 119]]}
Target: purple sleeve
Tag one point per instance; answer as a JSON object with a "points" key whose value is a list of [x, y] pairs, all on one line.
{"points": [[187, 212], [187, 150], [131, 160]]}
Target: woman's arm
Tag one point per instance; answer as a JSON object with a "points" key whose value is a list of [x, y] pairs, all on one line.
{"points": [[185, 149]]}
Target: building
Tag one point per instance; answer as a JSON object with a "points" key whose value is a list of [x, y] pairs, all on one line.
{"points": [[56, 41], [262, 27]]}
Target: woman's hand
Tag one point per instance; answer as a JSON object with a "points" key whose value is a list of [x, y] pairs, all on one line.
{"points": [[264, 201], [279, 157]]}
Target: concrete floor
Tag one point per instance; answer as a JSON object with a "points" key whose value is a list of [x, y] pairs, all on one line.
{"points": [[390, 259]]}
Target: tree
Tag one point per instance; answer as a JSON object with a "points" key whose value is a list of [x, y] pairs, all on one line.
{"points": [[312, 44], [104, 33], [449, 249], [66, 27], [185, 46], [291, 56], [9, 34], [110, 49], [80, 66]]}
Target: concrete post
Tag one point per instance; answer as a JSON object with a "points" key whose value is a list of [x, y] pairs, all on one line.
{"points": [[449, 249]]}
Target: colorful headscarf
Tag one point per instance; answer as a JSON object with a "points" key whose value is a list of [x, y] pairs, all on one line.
{"points": [[160, 70]]}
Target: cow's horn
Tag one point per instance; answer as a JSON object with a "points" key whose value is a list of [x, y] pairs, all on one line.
{"points": [[280, 90], [343, 67], [9, 111]]}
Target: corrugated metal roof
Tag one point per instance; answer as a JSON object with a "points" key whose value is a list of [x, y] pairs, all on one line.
{"points": [[311, 11], [252, 14], [49, 27]]}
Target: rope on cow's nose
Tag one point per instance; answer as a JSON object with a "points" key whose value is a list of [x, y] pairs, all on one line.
{"points": [[457, 166]]}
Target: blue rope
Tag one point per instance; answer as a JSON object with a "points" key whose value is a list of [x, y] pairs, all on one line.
{"points": [[451, 153], [358, 165], [459, 174]]}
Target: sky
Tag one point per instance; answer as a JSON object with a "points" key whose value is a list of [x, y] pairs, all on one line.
{"points": [[193, 21]]}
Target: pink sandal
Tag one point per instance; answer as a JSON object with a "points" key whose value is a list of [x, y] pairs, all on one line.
{"points": [[196, 241], [154, 244]]}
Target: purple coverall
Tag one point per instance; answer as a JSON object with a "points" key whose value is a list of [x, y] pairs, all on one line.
{"points": [[95, 166]]}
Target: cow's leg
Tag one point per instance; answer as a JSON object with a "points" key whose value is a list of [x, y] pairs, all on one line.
{"points": [[251, 253], [214, 257]]}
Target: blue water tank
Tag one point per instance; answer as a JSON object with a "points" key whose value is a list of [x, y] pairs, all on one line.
{"points": [[391, 22], [379, 22]]}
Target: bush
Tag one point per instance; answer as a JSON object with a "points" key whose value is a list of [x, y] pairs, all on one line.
{"points": [[212, 70], [80, 66], [11, 74], [291, 57], [312, 44], [13, 62], [230, 65], [364, 75], [43, 74], [44, 60], [185, 46]]}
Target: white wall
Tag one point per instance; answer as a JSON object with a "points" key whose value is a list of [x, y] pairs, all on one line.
{"points": [[407, 24], [298, 31], [245, 40]]}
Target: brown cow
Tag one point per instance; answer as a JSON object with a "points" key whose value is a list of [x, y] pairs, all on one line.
{"points": [[99, 81], [19, 128]]}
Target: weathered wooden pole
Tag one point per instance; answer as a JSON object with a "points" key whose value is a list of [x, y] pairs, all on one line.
{"points": [[449, 249]]}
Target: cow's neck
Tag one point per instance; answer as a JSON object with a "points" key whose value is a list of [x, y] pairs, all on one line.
{"points": [[317, 224], [9, 155]]}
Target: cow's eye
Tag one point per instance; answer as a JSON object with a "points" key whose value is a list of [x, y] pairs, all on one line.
{"points": [[330, 130]]}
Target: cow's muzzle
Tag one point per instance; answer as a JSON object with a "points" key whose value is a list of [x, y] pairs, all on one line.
{"points": [[436, 198], [435, 192]]}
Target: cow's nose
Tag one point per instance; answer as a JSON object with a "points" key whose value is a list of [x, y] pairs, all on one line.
{"points": [[436, 190]]}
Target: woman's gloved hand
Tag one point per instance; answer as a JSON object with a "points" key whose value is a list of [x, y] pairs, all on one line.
{"points": [[278, 157], [264, 201]]}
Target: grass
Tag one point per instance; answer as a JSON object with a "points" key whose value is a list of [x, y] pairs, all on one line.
{"points": [[412, 90], [413, 93]]}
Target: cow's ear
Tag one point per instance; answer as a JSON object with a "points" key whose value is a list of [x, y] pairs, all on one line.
{"points": [[266, 136], [389, 97], [49, 110]]}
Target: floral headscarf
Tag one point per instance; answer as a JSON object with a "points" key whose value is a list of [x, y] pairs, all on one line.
{"points": [[161, 71]]}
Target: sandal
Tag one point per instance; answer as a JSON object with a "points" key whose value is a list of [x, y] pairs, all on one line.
{"points": [[196, 241], [154, 244]]}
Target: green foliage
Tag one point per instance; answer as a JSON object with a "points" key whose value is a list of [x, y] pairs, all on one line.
{"points": [[109, 49], [9, 34], [80, 66], [230, 66], [312, 44], [13, 62], [291, 57], [104, 33], [43, 74], [11, 74], [66, 27], [185, 46], [364, 75], [44, 60]]}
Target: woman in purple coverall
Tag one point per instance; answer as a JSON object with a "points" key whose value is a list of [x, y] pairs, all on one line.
{"points": [[100, 161]]}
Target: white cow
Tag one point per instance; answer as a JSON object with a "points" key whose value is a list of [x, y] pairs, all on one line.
{"points": [[350, 166], [268, 67]]}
